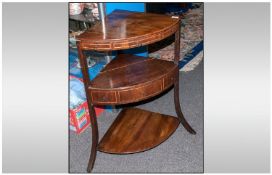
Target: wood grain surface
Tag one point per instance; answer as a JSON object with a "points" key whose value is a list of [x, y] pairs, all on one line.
{"points": [[130, 78], [136, 130], [126, 29]]}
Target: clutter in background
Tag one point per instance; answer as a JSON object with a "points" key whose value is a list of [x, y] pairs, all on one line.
{"points": [[79, 118], [77, 92], [78, 107], [94, 8], [96, 63], [72, 38], [191, 34], [86, 13], [192, 25], [78, 8]]}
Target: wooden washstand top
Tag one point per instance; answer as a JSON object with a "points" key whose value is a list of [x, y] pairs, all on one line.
{"points": [[126, 29]]}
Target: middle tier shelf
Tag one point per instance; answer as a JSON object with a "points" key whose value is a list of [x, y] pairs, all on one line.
{"points": [[129, 78]]}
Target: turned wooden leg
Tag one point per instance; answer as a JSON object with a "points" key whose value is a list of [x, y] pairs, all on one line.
{"points": [[177, 106], [94, 139]]}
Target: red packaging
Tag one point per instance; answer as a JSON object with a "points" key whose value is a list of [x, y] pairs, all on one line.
{"points": [[79, 116]]}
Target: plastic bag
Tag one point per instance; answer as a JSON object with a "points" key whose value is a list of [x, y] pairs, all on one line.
{"points": [[77, 92]]}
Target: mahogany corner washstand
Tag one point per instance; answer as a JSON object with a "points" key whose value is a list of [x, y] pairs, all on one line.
{"points": [[129, 78]]}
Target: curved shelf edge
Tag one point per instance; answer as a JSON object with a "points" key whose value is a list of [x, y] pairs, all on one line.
{"points": [[136, 130], [126, 29], [114, 86], [128, 43], [134, 93]]}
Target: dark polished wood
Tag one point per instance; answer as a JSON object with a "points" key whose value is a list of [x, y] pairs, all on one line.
{"points": [[176, 87], [178, 109], [137, 130], [94, 139], [126, 29], [177, 48], [86, 80], [130, 78]]}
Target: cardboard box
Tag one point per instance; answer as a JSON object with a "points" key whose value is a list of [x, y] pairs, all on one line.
{"points": [[79, 117]]}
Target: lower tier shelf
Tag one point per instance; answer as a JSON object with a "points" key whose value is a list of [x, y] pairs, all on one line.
{"points": [[136, 130]]}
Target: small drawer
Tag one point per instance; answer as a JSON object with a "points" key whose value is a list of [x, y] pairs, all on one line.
{"points": [[137, 94], [106, 46], [103, 97]]}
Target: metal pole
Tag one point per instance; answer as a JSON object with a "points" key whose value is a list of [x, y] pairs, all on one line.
{"points": [[102, 15]]}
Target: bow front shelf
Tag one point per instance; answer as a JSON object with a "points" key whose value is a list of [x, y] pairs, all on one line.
{"points": [[129, 78], [125, 29]]}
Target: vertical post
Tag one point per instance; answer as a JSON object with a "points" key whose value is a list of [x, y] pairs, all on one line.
{"points": [[92, 114], [176, 85], [102, 15], [177, 45]]}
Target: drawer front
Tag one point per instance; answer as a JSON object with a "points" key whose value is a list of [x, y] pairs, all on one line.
{"points": [[103, 97], [140, 93], [169, 79]]}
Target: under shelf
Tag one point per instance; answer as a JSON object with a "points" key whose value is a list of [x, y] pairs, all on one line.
{"points": [[130, 78], [136, 130]]}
